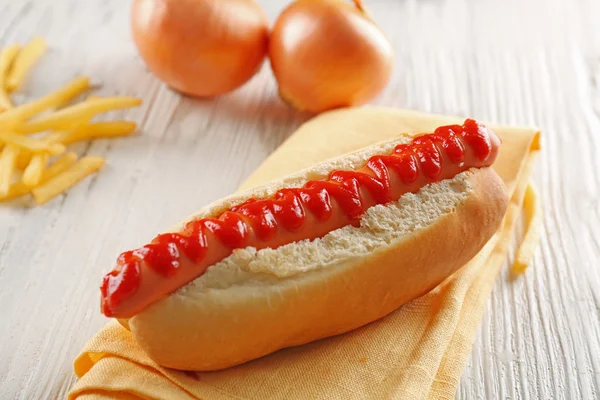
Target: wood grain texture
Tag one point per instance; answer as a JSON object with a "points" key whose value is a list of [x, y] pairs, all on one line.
{"points": [[534, 62]]}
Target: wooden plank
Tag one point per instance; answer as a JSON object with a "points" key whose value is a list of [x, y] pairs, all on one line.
{"points": [[534, 62]]}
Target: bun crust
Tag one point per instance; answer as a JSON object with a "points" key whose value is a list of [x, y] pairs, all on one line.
{"points": [[245, 307]]}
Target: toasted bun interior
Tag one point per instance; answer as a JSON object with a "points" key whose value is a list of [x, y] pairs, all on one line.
{"points": [[381, 226]]}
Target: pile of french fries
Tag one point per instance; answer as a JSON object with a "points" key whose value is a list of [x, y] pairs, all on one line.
{"points": [[34, 136]]}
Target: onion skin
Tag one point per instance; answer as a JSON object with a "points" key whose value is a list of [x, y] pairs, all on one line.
{"points": [[201, 47], [327, 54]]}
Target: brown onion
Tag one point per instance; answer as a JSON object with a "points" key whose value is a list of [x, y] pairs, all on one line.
{"points": [[201, 47], [327, 54]]}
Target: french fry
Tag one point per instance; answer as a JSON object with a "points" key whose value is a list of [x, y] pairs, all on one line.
{"points": [[23, 160], [60, 136], [35, 169], [16, 115], [68, 178], [7, 166], [65, 118], [95, 130], [31, 52], [59, 166], [533, 215], [7, 57], [33, 145], [57, 136], [110, 128], [19, 189]]}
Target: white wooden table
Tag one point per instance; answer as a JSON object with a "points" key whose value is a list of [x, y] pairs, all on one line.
{"points": [[534, 62]]}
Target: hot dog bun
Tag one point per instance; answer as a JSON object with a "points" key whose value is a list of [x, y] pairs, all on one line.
{"points": [[255, 302]]}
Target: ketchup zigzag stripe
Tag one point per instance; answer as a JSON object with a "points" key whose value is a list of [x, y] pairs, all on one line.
{"points": [[287, 208]]}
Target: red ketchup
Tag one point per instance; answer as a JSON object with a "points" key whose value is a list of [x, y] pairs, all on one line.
{"points": [[415, 164]]}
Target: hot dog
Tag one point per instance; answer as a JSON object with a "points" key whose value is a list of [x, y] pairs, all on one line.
{"points": [[359, 235]]}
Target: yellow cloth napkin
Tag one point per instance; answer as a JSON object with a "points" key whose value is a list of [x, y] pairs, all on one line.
{"points": [[417, 352]]}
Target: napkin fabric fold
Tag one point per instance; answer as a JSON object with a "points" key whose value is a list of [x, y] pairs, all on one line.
{"points": [[417, 352]]}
